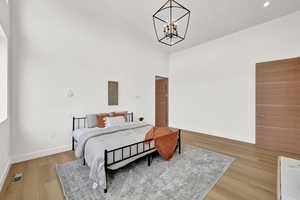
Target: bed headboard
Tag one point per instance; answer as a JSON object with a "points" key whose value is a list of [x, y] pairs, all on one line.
{"points": [[81, 122]]}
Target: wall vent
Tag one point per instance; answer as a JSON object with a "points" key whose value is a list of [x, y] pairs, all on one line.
{"points": [[17, 177]]}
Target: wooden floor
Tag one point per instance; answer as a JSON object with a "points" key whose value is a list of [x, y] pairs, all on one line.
{"points": [[252, 176]]}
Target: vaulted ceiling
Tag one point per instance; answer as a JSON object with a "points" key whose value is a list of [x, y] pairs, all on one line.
{"points": [[210, 19]]}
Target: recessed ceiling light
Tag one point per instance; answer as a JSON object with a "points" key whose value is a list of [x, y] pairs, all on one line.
{"points": [[267, 4]]}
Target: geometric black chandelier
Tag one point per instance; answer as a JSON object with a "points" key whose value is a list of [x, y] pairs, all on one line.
{"points": [[171, 23]]}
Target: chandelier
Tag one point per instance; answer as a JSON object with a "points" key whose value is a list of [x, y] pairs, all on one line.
{"points": [[171, 23]]}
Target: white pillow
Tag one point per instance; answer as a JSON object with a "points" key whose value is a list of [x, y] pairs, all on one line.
{"points": [[114, 121]]}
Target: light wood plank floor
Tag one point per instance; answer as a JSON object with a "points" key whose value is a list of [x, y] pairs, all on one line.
{"points": [[251, 177]]}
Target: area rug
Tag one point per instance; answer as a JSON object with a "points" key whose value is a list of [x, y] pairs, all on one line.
{"points": [[190, 175]]}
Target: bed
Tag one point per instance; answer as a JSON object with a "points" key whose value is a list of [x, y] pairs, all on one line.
{"points": [[107, 149]]}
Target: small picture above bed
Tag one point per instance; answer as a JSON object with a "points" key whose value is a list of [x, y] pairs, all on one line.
{"points": [[113, 93]]}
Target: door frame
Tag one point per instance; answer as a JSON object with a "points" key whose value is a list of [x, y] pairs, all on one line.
{"points": [[157, 77]]}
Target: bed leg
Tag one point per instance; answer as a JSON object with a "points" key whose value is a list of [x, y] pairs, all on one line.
{"points": [[149, 160], [73, 128], [84, 161], [105, 189], [106, 170], [73, 144]]}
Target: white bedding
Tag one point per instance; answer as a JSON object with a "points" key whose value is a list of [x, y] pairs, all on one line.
{"points": [[82, 131], [93, 143]]}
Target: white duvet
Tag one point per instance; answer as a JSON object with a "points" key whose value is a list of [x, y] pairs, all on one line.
{"points": [[93, 142], [82, 131]]}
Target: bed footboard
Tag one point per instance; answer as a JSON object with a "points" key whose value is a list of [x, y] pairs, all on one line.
{"points": [[136, 149], [146, 147]]}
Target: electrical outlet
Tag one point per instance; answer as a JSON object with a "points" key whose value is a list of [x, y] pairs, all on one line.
{"points": [[70, 93], [52, 135]]}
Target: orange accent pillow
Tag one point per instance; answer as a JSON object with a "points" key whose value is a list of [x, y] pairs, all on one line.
{"points": [[100, 119]]}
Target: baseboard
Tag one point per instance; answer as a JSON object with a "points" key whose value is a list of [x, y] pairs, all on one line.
{"points": [[243, 140], [246, 141], [39, 154], [4, 174]]}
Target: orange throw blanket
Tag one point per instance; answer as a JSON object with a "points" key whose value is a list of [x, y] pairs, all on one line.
{"points": [[165, 141]]}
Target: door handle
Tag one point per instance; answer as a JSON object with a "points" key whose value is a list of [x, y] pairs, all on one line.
{"points": [[260, 115]]}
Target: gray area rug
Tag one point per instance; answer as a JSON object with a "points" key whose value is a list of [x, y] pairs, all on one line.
{"points": [[189, 176]]}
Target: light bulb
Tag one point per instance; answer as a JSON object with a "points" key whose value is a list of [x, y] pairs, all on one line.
{"points": [[267, 4]]}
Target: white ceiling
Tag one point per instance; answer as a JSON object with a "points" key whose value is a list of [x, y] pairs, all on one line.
{"points": [[210, 19]]}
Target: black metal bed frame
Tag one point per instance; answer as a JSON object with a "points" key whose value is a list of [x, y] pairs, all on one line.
{"points": [[107, 164]]}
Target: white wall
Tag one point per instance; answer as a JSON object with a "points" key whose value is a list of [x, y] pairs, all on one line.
{"points": [[4, 151], [61, 45], [4, 126], [212, 86], [4, 15]]}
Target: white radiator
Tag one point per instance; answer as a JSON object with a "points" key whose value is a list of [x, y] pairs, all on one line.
{"points": [[288, 179]]}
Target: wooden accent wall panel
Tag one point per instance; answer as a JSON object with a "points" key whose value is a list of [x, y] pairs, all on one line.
{"points": [[279, 139], [278, 105], [278, 93], [113, 93], [279, 116]]}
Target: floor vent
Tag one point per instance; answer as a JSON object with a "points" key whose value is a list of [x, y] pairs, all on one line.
{"points": [[17, 177]]}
